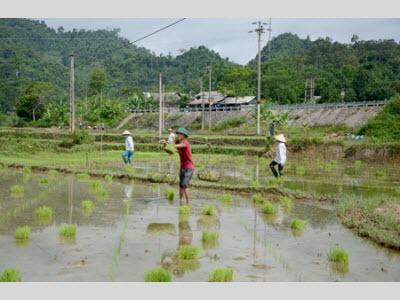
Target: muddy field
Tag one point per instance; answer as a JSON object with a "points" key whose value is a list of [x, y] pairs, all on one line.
{"points": [[133, 228]]}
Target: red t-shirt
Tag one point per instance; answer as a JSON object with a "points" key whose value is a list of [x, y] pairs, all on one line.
{"points": [[185, 154]]}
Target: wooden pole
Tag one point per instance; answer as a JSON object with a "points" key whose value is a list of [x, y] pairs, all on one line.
{"points": [[72, 95]]}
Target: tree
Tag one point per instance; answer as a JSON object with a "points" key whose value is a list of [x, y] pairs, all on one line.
{"points": [[98, 82], [32, 104]]}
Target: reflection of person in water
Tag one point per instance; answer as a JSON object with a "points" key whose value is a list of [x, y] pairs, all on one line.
{"points": [[185, 232], [128, 189]]}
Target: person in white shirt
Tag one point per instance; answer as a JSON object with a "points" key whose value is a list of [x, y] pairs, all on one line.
{"points": [[171, 136], [280, 158], [129, 147]]}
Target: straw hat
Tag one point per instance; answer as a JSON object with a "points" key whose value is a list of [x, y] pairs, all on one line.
{"points": [[126, 132], [280, 138]]}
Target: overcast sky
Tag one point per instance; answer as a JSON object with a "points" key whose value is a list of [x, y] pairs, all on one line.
{"points": [[230, 37]]}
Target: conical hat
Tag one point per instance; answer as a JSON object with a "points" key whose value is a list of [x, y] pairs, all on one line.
{"points": [[126, 132], [280, 138]]}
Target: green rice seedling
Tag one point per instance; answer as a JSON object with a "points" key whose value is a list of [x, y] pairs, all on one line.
{"points": [[338, 255], [26, 173], [10, 275], [184, 210], [44, 180], [187, 252], [298, 224], [87, 205], [208, 210], [44, 212], [268, 208], [226, 198], [157, 275], [248, 172], [67, 231], [380, 173], [169, 193], [255, 184], [357, 164], [209, 239], [97, 189], [286, 203], [53, 173], [23, 233], [300, 170], [275, 181], [207, 223], [170, 149], [258, 199], [17, 191], [83, 176], [208, 175], [108, 178], [221, 275]]}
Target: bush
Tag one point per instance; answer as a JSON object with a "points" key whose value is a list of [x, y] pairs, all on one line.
{"points": [[10, 275], [221, 275], [229, 123], [187, 252], [158, 275]]}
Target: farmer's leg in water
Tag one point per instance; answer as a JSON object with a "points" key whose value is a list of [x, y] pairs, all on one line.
{"points": [[280, 169], [272, 167], [184, 179]]}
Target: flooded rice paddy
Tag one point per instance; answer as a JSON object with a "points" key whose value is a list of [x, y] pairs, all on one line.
{"points": [[133, 228]]}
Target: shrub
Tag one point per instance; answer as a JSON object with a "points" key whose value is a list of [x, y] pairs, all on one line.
{"points": [[169, 193], [229, 123], [208, 210], [221, 275], [184, 210], [258, 199], [338, 255], [298, 224], [44, 212], [67, 231], [17, 191], [227, 198], [22, 233], [187, 252], [286, 204], [10, 275], [268, 208], [157, 275]]}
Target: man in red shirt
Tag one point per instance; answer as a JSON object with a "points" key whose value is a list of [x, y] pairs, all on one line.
{"points": [[187, 166]]}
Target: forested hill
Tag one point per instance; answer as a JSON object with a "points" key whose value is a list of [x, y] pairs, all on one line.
{"points": [[106, 64], [31, 51]]}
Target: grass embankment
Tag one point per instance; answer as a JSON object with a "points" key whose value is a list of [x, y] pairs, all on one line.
{"points": [[377, 218]]}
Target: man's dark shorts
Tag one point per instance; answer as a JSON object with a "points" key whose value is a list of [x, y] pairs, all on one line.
{"points": [[184, 177]]}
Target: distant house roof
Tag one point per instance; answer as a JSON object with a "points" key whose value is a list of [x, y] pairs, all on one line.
{"points": [[238, 100], [200, 97]]}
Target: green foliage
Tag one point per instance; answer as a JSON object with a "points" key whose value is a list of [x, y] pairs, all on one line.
{"points": [[17, 191], [98, 189], [44, 180], [87, 205], [53, 173], [221, 275], [209, 237], [258, 199], [98, 82], [357, 164], [229, 123], [208, 210], [385, 126], [338, 255], [108, 178], [44, 212], [169, 193], [22, 233], [67, 231], [297, 224], [158, 275], [286, 203], [300, 170], [380, 173], [10, 275], [78, 137], [184, 210], [187, 252], [83, 176], [268, 208], [226, 198]]}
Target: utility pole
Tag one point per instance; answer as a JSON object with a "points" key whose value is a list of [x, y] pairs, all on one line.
{"points": [[163, 105], [269, 29], [160, 109], [202, 104], [259, 30], [72, 95], [209, 97]]}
